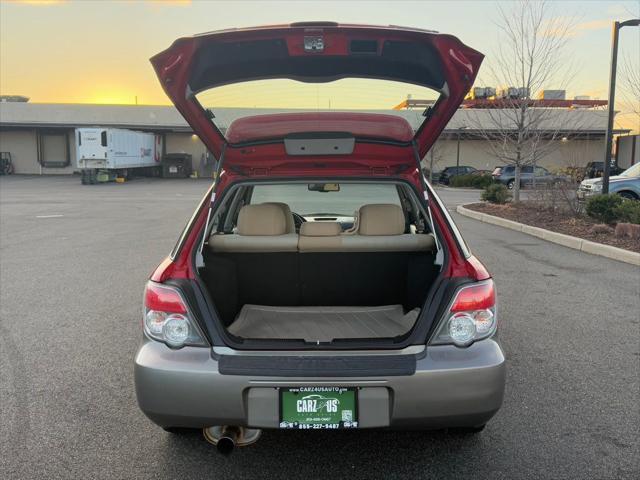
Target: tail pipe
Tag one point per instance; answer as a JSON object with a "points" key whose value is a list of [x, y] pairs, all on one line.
{"points": [[227, 437]]}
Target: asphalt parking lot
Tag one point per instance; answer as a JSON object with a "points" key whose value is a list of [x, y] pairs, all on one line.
{"points": [[73, 262]]}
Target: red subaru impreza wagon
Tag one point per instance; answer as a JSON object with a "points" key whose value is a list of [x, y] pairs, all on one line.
{"points": [[321, 282]]}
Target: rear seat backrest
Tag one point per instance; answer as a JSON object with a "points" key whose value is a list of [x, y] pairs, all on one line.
{"points": [[320, 237], [261, 228], [381, 229]]}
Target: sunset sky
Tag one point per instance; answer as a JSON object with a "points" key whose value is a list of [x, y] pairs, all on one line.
{"points": [[98, 51]]}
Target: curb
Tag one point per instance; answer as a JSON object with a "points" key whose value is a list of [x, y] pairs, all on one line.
{"points": [[576, 243]]}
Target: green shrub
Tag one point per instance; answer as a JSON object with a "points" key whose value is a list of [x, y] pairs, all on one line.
{"points": [[628, 211], [604, 208], [461, 181], [482, 181], [474, 181], [496, 193]]}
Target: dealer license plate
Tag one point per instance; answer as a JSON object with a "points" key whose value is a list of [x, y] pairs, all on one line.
{"points": [[173, 169], [318, 407]]}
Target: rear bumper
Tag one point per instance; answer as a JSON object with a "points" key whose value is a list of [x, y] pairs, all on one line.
{"points": [[451, 387]]}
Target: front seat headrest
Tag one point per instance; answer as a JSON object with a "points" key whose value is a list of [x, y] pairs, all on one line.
{"points": [[381, 219], [262, 219]]}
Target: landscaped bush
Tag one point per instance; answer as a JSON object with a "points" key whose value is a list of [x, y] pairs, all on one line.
{"points": [[628, 211], [474, 181], [604, 208], [496, 193]]}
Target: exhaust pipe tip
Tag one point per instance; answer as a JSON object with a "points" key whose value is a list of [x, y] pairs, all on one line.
{"points": [[227, 437], [226, 445]]}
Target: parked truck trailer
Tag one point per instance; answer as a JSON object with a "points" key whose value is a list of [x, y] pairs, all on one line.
{"points": [[103, 154]]}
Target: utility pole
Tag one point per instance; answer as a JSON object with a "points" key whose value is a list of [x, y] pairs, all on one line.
{"points": [[612, 97]]}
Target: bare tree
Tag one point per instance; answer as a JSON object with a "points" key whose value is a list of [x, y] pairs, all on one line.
{"points": [[630, 88], [531, 56]]}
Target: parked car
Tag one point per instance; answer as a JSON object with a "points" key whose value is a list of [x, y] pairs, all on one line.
{"points": [[507, 176], [320, 265], [627, 185], [596, 169], [448, 173]]}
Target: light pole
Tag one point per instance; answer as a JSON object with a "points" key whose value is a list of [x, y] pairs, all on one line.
{"points": [[612, 96], [458, 149]]}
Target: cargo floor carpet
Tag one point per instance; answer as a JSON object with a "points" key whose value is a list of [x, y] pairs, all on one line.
{"points": [[322, 324]]}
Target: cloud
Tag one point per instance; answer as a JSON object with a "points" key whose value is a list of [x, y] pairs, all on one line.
{"points": [[593, 25], [562, 27], [37, 2]]}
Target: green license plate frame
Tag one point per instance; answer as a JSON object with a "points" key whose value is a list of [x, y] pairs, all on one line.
{"points": [[318, 408]]}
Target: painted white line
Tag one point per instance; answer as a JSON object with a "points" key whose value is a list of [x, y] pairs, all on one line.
{"points": [[49, 216]]}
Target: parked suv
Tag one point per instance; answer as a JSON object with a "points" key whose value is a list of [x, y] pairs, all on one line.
{"points": [[321, 283], [627, 185], [596, 169], [448, 173], [507, 176]]}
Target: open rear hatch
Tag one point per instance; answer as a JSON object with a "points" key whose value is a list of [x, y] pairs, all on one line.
{"points": [[309, 101], [266, 66]]}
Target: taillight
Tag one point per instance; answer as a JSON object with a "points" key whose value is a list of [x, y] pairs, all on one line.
{"points": [[167, 317], [471, 316], [475, 297]]}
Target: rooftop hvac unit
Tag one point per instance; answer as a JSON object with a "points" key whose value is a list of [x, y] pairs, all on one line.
{"points": [[482, 92], [512, 92], [552, 95]]}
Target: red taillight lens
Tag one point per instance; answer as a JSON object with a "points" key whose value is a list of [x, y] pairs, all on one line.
{"points": [[476, 297], [162, 299], [167, 318], [476, 269], [472, 316]]}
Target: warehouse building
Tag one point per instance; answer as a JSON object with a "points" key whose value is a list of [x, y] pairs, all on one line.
{"points": [[40, 137]]}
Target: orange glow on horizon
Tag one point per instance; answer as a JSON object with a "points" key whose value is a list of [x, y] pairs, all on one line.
{"points": [[112, 98]]}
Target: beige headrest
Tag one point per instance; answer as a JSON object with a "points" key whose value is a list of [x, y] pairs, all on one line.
{"points": [[320, 229], [291, 226], [262, 219], [381, 219]]}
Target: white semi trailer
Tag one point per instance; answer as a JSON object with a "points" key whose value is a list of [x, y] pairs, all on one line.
{"points": [[106, 153]]}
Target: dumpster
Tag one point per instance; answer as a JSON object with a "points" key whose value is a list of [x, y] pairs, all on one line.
{"points": [[176, 165]]}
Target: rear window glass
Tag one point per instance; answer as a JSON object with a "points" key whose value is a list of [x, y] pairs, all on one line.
{"points": [[342, 199], [281, 95]]}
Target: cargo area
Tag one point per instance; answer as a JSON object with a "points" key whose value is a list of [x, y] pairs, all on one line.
{"points": [[322, 324], [274, 275]]}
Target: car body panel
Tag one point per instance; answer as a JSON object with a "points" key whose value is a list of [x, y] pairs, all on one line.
{"points": [[448, 173], [280, 125], [451, 387], [507, 174], [429, 59], [617, 184]]}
